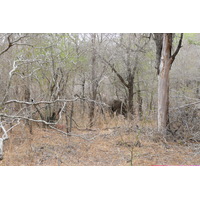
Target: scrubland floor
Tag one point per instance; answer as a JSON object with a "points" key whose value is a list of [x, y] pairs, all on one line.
{"points": [[119, 145]]}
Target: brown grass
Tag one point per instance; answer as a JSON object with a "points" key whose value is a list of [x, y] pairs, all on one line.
{"points": [[116, 143]]}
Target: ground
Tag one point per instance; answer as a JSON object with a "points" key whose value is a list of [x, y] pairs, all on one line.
{"points": [[124, 145]]}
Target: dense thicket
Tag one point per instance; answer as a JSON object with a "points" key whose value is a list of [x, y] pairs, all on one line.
{"points": [[78, 78]]}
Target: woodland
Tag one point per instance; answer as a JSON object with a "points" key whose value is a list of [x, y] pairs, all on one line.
{"points": [[99, 99]]}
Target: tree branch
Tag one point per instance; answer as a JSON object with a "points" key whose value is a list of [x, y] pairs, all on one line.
{"points": [[34, 120], [178, 48], [114, 70], [40, 102], [11, 43]]}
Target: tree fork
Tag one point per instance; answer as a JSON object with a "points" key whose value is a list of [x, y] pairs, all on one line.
{"points": [[166, 60]]}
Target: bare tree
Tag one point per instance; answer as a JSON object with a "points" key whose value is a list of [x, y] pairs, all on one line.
{"points": [[97, 71], [128, 47]]}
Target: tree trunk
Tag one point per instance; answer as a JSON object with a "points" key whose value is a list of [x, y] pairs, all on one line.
{"points": [[71, 116], [166, 60], [139, 101], [163, 84], [159, 42], [94, 82], [130, 100], [163, 99], [27, 98], [197, 89], [83, 96], [67, 119]]}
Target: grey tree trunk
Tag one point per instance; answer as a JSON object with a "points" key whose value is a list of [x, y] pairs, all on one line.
{"points": [[166, 61], [163, 85]]}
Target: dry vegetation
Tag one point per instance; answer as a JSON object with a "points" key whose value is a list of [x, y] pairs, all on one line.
{"points": [[117, 143], [78, 81]]}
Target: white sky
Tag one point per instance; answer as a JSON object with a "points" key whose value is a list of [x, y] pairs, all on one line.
{"points": [[80, 16]]}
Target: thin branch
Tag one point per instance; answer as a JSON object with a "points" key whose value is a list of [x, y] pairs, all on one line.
{"points": [[24, 44], [75, 135], [5, 135], [13, 69], [18, 122], [8, 47], [18, 39], [55, 101], [186, 105], [25, 118], [40, 102], [178, 48], [34, 120], [115, 71], [11, 43]]}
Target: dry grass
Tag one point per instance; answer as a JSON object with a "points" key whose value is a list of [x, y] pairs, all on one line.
{"points": [[117, 143]]}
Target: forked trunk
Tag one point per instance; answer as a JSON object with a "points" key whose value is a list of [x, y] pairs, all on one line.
{"points": [[164, 57]]}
